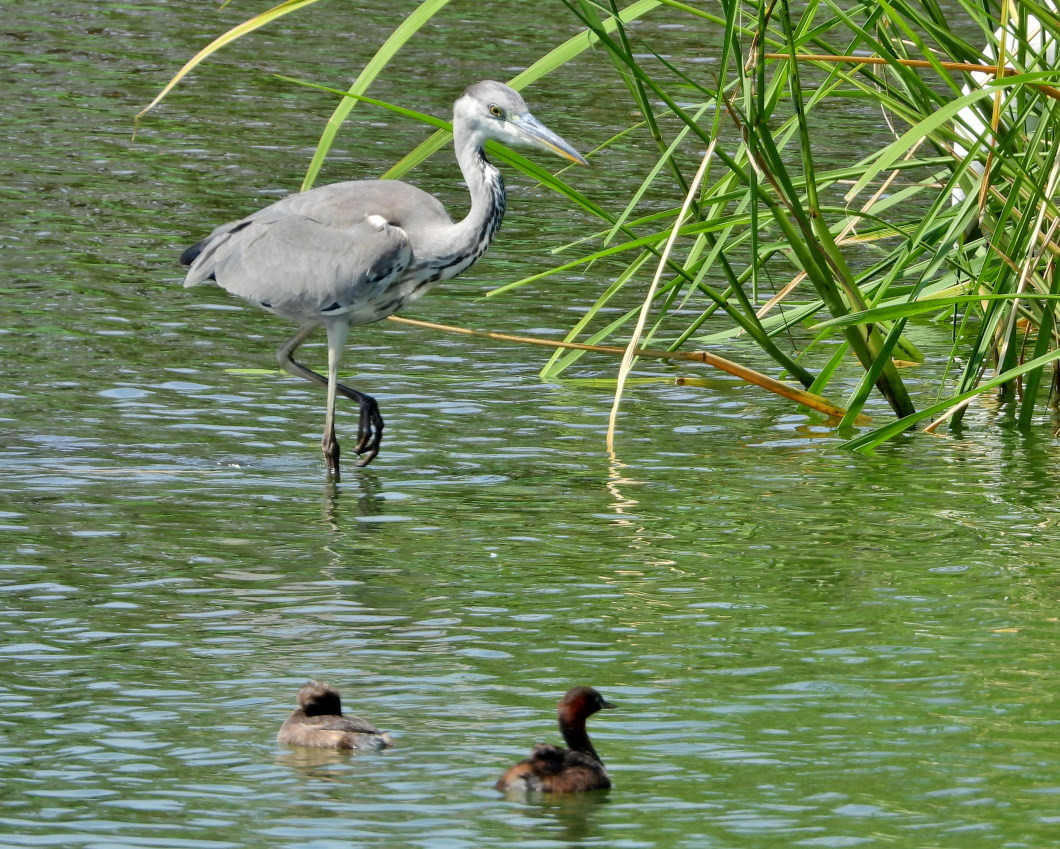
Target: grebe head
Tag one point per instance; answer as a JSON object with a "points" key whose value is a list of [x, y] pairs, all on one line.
{"points": [[579, 703], [319, 698]]}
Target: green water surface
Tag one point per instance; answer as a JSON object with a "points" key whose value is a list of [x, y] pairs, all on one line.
{"points": [[807, 647]]}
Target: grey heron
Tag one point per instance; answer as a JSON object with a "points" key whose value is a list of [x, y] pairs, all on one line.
{"points": [[1028, 39], [355, 252]]}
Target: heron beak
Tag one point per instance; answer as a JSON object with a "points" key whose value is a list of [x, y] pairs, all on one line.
{"points": [[537, 134]]}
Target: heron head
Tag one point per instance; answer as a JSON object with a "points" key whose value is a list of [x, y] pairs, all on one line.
{"points": [[492, 110]]}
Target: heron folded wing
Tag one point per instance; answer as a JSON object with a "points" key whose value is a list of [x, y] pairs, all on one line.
{"points": [[345, 204], [303, 268]]}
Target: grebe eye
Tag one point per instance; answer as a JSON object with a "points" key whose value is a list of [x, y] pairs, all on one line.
{"points": [[496, 111]]}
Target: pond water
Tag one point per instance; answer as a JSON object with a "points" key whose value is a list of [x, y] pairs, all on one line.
{"points": [[806, 647]]}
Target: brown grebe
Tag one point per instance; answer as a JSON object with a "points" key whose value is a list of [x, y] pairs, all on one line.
{"points": [[553, 769], [318, 722]]}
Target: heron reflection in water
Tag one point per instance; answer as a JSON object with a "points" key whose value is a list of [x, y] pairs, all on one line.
{"points": [[356, 252]]}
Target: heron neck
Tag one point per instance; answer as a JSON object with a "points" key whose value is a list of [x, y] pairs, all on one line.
{"points": [[486, 186]]}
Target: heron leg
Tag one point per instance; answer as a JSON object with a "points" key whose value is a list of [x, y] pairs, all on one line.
{"points": [[370, 426], [330, 443]]}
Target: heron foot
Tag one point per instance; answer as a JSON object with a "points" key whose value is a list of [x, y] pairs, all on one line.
{"points": [[369, 431], [329, 445]]}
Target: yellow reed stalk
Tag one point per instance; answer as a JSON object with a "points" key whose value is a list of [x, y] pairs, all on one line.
{"points": [[748, 375]]}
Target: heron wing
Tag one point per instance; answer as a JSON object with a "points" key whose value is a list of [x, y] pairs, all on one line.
{"points": [[330, 251], [400, 203]]}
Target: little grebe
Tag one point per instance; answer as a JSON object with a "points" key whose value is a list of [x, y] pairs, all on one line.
{"points": [[552, 769], [318, 722]]}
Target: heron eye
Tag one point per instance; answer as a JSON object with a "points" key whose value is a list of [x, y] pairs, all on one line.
{"points": [[496, 111]]}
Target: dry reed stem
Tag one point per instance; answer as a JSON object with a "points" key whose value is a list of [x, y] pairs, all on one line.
{"points": [[642, 319], [800, 396], [1047, 90]]}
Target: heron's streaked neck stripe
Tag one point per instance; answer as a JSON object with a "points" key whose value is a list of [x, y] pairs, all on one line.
{"points": [[486, 186]]}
